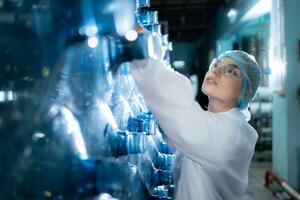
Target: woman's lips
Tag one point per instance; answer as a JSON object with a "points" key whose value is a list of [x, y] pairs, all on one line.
{"points": [[211, 80]]}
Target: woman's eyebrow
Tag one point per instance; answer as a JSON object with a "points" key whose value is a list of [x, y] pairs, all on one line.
{"points": [[235, 66]]}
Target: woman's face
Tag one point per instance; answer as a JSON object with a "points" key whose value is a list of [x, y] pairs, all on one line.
{"points": [[222, 87]]}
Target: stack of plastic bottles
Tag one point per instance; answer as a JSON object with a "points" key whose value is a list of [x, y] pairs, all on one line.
{"points": [[160, 154], [148, 19], [85, 131]]}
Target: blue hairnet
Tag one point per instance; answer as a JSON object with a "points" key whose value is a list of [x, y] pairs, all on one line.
{"points": [[251, 75]]}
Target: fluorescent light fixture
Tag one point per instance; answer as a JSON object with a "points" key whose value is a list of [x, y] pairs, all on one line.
{"points": [[179, 64], [232, 15], [38, 135], [2, 96], [6, 96], [10, 96], [259, 9]]}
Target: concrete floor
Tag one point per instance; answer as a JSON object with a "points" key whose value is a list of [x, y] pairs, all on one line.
{"points": [[256, 189]]}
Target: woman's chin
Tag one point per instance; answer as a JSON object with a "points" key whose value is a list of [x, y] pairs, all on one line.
{"points": [[209, 90], [212, 93]]}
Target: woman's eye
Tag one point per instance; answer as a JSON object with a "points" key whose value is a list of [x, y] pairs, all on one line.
{"points": [[233, 72], [215, 65], [230, 71]]}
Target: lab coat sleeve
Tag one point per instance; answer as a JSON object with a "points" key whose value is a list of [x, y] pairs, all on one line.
{"points": [[170, 97]]}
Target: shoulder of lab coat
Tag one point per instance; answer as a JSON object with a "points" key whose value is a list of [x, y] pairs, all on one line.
{"points": [[208, 138]]}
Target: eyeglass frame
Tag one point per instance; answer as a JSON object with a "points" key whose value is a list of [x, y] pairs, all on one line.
{"points": [[223, 66]]}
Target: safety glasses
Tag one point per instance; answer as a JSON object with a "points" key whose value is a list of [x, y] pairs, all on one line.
{"points": [[228, 69]]}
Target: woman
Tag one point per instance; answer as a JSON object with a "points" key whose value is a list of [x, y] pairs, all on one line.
{"points": [[217, 144]]}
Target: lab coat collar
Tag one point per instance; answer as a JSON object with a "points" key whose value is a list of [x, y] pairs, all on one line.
{"points": [[244, 114]]}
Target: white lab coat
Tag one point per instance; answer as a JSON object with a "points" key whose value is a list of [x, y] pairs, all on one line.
{"points": [[217, 147]]}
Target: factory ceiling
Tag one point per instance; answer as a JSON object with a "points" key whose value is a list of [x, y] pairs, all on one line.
{"points": [[187, 19]]}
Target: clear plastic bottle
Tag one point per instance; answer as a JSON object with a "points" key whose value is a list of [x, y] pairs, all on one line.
{"points": [[160, 160], [123, 88], [142, 3], [164, 192], [123, 143], [153, 177], [142, 123]]}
